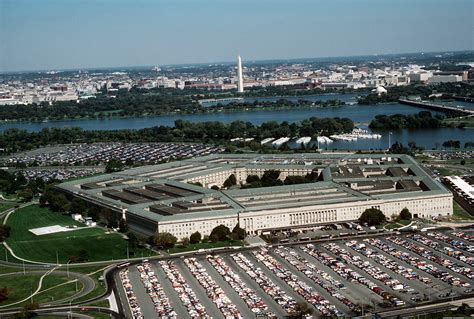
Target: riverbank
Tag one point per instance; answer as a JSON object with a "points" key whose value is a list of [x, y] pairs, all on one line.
{"points": [[210, 110], [464, 122]]}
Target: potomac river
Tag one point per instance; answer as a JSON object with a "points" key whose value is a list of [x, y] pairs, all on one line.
{"points": [[361, 114]]}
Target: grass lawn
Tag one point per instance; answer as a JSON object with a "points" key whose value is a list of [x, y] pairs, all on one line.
{"points": [[6, 256], [6, 205], [8, 269], [449, 171], [397, 224], [96, 314], [57, 293], [98, 290], [191, 247], [404, 222], [101, 303], [468, 121], [392, 226], [98, 244], [460, 213], [21, 286]]}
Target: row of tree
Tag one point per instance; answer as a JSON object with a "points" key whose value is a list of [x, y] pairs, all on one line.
{"points": [[281, 103], [422, 120], [165, 240], [394, 93], [375, 217]]}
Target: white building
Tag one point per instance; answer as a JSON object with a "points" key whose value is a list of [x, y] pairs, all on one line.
{"points": [[435, 79], [167, 198]]}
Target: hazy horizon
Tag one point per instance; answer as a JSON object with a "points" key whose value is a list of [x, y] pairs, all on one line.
{"points": [[71, 35]]}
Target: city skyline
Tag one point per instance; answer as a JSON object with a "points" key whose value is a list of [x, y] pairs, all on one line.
{"points": [[164, 33]]}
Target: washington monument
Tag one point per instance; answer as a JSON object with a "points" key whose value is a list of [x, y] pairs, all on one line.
{"points": [[240, 79]]}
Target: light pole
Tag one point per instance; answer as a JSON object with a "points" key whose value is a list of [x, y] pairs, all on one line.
{"points": [[389, 143]]}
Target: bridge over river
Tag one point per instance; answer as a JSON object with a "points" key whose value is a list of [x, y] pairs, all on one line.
{"points": [[438, 107]]}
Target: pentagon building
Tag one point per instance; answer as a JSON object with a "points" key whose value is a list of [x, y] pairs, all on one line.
{"points": [[163, 198]]}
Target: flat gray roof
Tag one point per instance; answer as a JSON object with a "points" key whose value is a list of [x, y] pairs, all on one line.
{"points": [[338, 172]]}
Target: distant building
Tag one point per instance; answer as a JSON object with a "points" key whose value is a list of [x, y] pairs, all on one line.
{"points": [[444, 78], [420, 77]]}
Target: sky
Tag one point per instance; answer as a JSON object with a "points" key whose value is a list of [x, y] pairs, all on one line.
{"points": [[75, 34]]}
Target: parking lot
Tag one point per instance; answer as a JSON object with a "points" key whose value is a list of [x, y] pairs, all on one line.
{"points": [[335, 278], [101, 153]]}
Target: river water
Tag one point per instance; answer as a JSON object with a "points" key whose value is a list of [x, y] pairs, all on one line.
{"points": [[362, 114]]}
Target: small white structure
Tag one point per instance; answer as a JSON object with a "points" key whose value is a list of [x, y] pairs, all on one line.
{"points": [[91, 223], [77, 217], [380, 90]]}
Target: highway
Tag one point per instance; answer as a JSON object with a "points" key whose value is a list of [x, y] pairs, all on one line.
{"points": [[437, 107]]}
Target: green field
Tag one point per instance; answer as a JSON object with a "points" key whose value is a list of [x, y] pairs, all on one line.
{"points": [[460, 213], [4, 205], [21, 286], [98, 244], [58, 293], [450, 171]]}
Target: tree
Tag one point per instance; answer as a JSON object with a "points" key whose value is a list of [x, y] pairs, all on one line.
{"points": [[452, 144], [83, 255], [165, 240], [4, 232], [3, 294], [405, 214], [123, 226], [372, 216], [132, 240], [239, 232], [195, 238], [301, 310], [270, 178], [25, 195], [230, 181], [57, 202], [252, 178], [78, 206], [72, 259], [114, 165], [185, 241], [220, 233], [27, 312]]}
